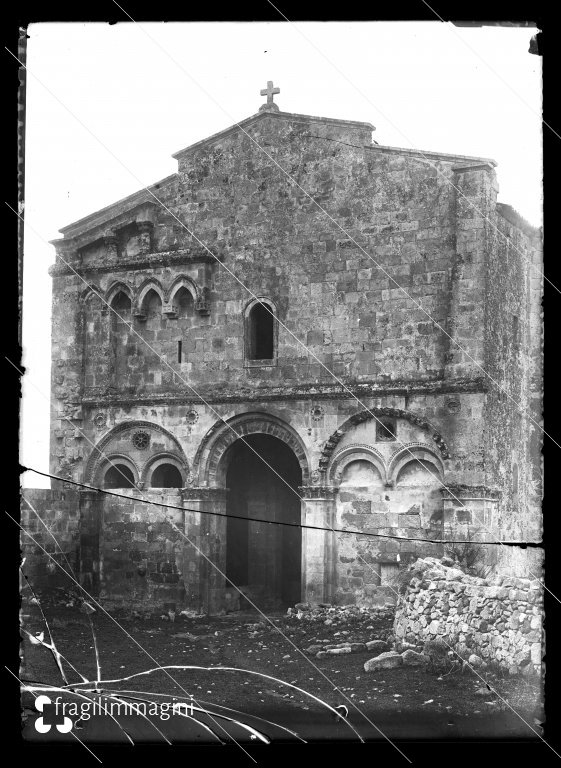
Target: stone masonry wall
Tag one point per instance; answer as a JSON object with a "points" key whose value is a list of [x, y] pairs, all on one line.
{"points": [[490, 623], [57, 530], [513, 435]]}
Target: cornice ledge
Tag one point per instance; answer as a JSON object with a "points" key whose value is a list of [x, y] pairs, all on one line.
{"points": [[145, 261], [298, 392]]}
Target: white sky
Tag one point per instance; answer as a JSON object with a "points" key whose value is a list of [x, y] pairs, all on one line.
{"points": [[417, 82]]}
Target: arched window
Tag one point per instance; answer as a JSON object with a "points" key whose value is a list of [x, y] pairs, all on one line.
{"points": [[166, 476], [260, 332], [152, 307], [119, 476], [121, 304], [385, 430], [183, 301]]}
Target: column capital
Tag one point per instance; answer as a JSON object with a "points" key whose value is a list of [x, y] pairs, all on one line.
{"points": [[472, 492], [204, 494], [313, 492]]}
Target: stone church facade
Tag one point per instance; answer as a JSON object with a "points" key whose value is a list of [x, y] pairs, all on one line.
{"points": [[318, 386]]}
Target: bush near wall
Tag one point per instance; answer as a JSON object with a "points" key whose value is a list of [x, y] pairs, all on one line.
{"points": [[490, 623]]}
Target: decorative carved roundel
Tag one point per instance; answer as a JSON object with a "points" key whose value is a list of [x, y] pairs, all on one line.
{"points": [[192, 417], [317, 412], [453, 405], [100, 420], [141, 440]]}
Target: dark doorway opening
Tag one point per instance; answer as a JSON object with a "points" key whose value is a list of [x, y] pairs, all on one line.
{"points": [[264, 560]]}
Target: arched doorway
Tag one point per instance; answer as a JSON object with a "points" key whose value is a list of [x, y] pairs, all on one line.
{"points": [[264, 560]]}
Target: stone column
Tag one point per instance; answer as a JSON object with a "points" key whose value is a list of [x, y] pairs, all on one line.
{"points": [[204, 578], [318, 508]]}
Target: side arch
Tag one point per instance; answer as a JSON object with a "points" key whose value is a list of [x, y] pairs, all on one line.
{"points": [[414, 453], [362, 416], [355, 453], [103, 448], [207, 467], [150, 284], [183, 282], [112, 460], [116, 288], [92, 291], [157, 461]]}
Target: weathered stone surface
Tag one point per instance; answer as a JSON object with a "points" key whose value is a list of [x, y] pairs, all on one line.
{"points": [[413, 659], [470, 631], [376, 645], [313, 648], [387, 660]]}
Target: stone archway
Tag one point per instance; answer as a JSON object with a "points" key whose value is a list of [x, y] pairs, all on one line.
{"points": [[207, 467], [141, 442], [238, 470]]}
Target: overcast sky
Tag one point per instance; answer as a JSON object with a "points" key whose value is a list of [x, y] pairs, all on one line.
{"points": [[430, 86]]}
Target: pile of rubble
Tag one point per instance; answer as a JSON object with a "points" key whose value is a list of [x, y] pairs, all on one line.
{"points": [[493, 622], [357, 630], [325, 613]]}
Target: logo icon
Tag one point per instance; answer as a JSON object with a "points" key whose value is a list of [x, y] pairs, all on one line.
{"points": [[50, 716]]}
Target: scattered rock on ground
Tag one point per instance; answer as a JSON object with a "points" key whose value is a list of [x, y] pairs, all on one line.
{"points": [[388, 660], [414, 659]]}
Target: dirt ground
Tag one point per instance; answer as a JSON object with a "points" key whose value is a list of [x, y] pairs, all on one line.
{"points": [[407, 702]]}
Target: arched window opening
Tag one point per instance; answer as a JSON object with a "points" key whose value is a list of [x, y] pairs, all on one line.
{"points": [[183, 301], [166, 476], [119, 476], [152, 305], [121, 304], [261, 327], [385, 430]]}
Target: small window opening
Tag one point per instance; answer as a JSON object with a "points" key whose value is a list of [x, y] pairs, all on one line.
{"points": [[119, 476], [166, 476], [261, 333], [385, 430], [515, 332], [179, 352]]}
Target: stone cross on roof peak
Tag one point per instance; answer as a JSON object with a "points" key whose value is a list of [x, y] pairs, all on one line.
{"points": [[269, 92]]}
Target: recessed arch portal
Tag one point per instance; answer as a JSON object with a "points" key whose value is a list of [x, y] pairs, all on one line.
{"points": [[208, 466]]}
